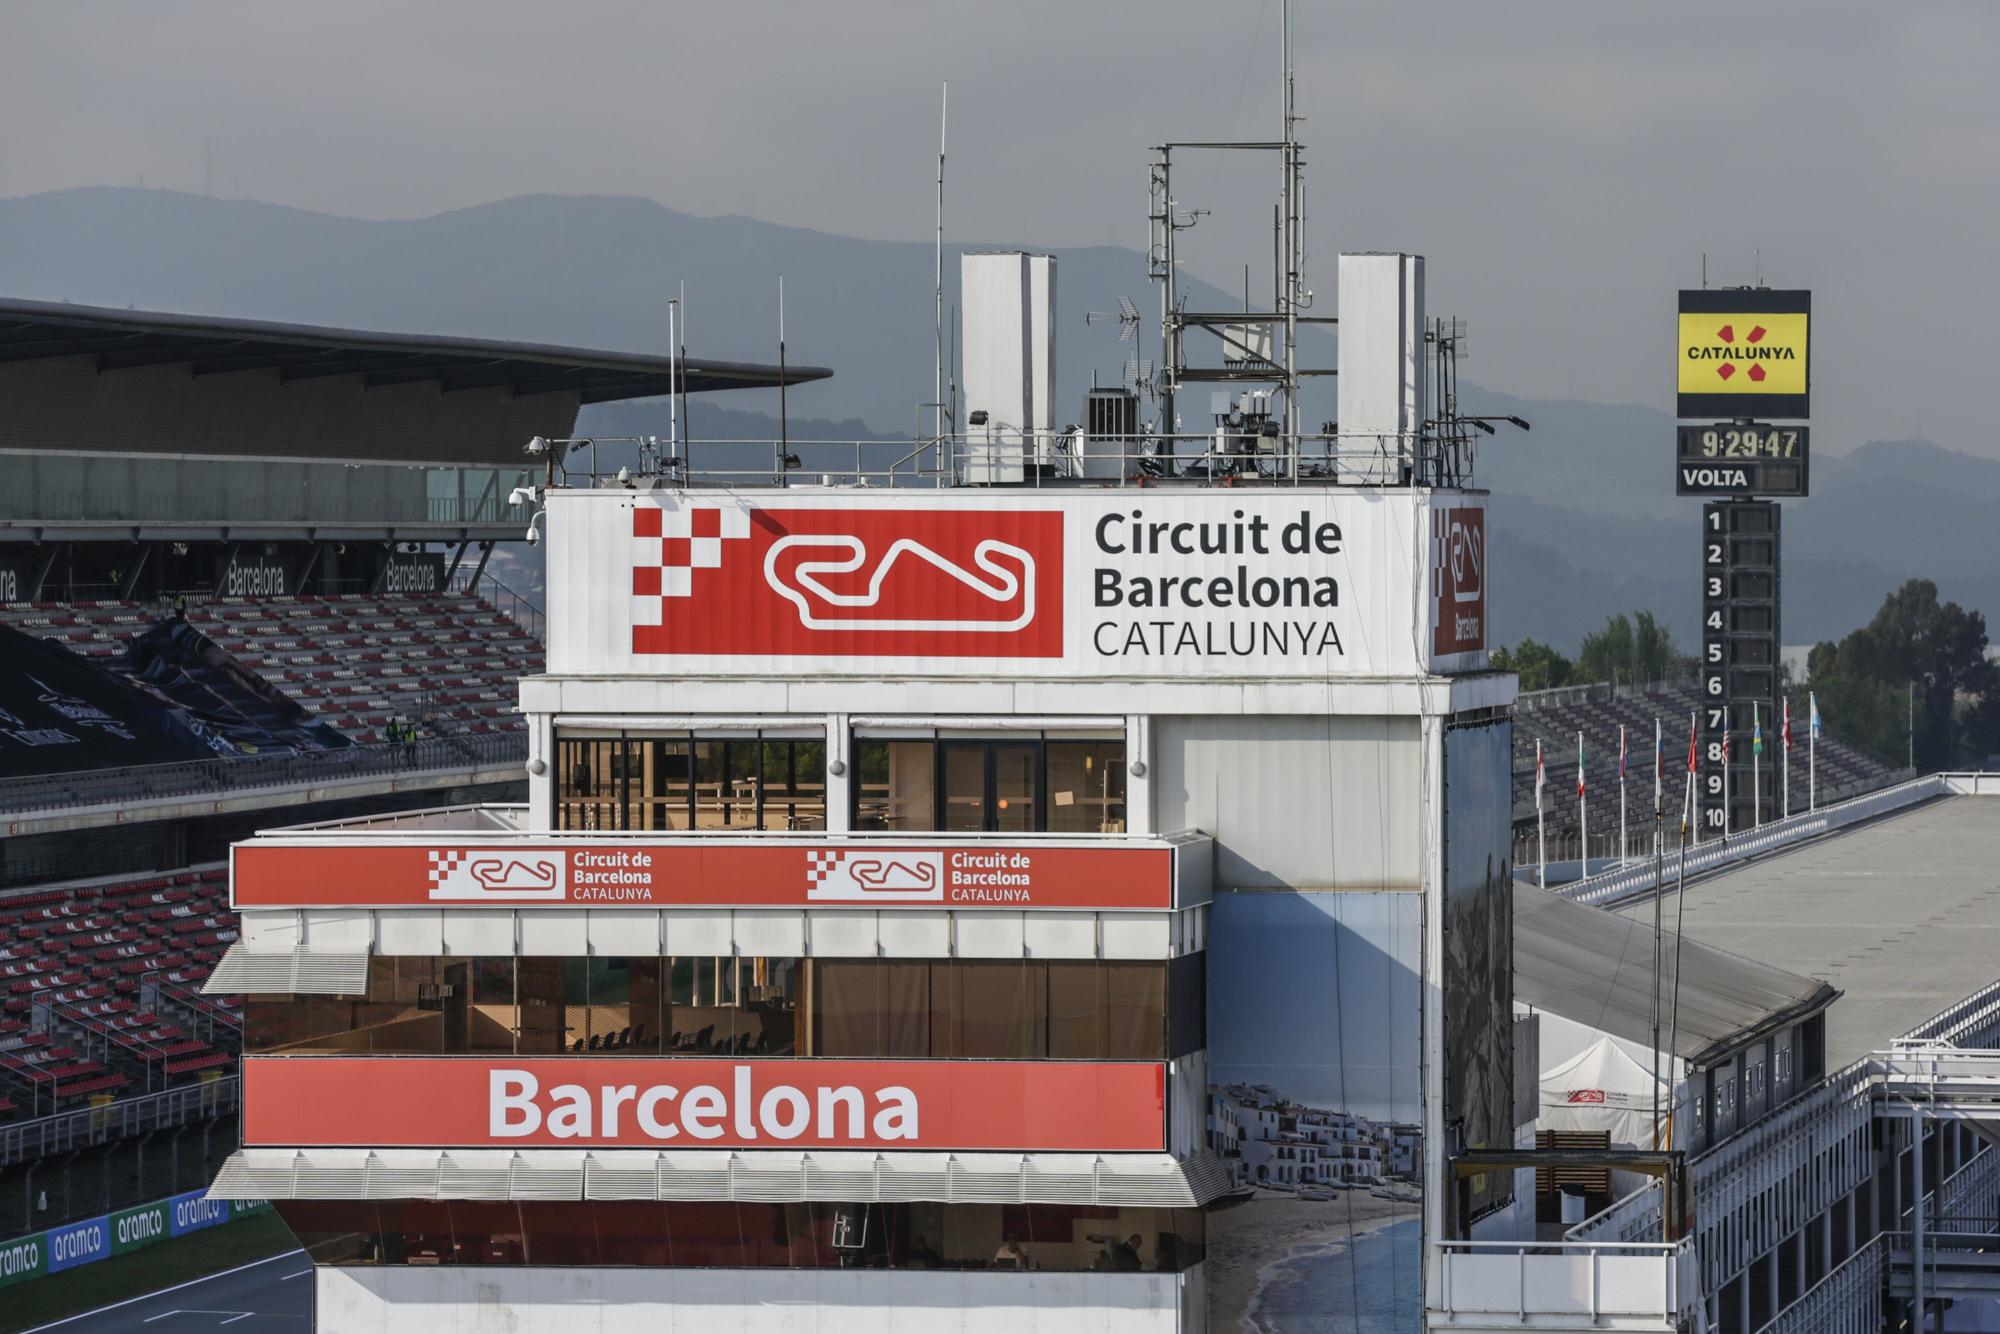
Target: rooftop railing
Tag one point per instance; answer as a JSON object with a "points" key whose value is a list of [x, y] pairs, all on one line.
{"points": [[125, 787], [1593, 1285], [1007, 457], [65, 1132]]}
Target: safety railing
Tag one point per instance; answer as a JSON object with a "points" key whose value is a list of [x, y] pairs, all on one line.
{"points": [[1629, 881], [1244, 455], [123, 787], [64, 1132], [504, 600], [1521, 1281]]}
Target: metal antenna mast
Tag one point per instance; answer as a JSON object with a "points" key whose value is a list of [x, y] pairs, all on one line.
{"points": [[1291, 310], [937, 387]]}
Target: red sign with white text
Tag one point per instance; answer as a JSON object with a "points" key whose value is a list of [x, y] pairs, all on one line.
{"points": [[1458, 581], [696, 1103], [925, 582], [697, 873]]}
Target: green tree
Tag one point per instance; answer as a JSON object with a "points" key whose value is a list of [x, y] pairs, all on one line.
{"points": [[1914, 643], [1630, 651], [1539, 666]]}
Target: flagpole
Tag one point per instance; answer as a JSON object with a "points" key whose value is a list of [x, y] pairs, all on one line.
{"points": [[1728, 815], [1812, 752], [1756, 767], [1659, 892], [1582, 814], [1622, 851], [1541, 828], [1785, 758]]}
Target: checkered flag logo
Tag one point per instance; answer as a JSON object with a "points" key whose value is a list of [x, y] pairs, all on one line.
{"points": [[819, 865], [669, 545], [443, 864]]}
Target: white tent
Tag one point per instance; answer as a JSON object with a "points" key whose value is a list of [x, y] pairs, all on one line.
{"points": [[1602, 1088]]}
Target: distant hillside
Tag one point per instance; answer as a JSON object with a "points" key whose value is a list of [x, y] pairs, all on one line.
{"points": [[1585, 521]]}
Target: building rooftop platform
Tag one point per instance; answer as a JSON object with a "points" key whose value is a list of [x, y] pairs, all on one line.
{"points": [[1901, 915]]}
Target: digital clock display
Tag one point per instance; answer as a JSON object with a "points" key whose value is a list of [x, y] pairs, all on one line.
{"points": [[1740, 459]]}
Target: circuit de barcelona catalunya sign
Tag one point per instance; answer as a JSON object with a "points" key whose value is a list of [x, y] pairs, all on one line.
{"points": [[695, 1103], [324, 872], [1133, 583]]}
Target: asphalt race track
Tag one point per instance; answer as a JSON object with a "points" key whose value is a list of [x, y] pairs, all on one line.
{"points": [[269, 1296]]}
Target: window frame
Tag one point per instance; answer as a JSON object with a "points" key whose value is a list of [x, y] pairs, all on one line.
{"points": [[944, 740]]}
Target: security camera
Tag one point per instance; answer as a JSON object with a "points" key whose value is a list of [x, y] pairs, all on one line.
{"points": [[536, 447], [521, 495], [534, 533]]}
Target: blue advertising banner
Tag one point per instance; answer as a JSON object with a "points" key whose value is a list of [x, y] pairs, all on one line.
{"points": [[191, 1211], [79, 1243]]}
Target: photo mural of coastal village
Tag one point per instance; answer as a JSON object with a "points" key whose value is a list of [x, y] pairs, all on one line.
{"points": [[1314, 1102]]}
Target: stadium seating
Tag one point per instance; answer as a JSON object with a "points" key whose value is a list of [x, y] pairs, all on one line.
{"points": [[1554, 717], [450, 663], [98, 988]]}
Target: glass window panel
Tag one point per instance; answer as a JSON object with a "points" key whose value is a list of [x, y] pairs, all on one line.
{"points": [[725, 783], [589, 774], [770, 1006], [561, 1232], [847, 1007], [905, 1010], [894, 786], [795, 784], [702, 1014], [617, 1006], [964, 786], [1003, 1010], [539, 986], [415, 1232], [663, 783], [1016, 777], [487, 1232], [1135, 1011], [632, 1232], [492, 1017], [945, 1007], [1187, 985], [705, 1235], [1086, 786], [1076, 1010], [339, 1232]]}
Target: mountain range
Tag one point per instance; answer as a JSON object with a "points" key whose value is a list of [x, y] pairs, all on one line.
{"points": [[1584, 522]]}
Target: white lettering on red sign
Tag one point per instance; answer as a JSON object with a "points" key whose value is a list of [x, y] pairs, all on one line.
{"points": [[517, 1107]]}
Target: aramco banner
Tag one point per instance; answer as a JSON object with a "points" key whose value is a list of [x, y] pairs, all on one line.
{"points": [[694, 1103], [1126, 584], [91, 1239]]}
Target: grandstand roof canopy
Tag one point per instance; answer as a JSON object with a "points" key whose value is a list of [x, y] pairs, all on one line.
{"points": [[129, 339], [1596, 968], [1902, 914]]}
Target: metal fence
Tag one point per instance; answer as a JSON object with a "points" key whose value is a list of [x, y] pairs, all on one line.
{"points": [[1612, 887], [244, 773], [67, 1132]]}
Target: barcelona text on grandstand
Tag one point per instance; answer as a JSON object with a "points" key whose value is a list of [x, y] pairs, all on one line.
{"points": [[517, 1107]]}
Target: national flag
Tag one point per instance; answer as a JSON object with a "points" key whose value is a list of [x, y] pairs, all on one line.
{"points": [[1788, 724], [1812, 702], [1725, 745], [1579, 764], [1540, 775], [1756, 734], [1691, 743]]}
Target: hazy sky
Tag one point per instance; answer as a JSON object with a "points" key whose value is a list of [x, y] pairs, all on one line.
{"points": [[1562, 165]]}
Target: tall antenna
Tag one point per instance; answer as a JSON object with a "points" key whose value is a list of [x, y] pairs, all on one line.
{"points": [[784, 426], [1291, 309], [937, 383]]}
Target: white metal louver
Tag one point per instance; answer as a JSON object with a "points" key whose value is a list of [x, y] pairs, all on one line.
{"points": [[294, 972], [1135, 1180]]}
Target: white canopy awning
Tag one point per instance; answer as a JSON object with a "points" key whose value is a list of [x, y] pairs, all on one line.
{"points": [[1128, 1180]]}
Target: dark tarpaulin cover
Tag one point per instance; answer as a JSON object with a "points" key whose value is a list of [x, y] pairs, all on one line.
{"points": [[180, 663], [60, 712]]}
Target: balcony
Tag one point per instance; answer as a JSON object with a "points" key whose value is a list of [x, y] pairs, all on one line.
{"points": [[1514, 1285], [49, 491]]}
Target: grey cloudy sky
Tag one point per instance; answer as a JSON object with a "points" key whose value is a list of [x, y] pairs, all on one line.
{"points": [[1562, 165]]}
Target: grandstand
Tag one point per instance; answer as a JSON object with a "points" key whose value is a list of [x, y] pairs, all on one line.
{"points": [[250, 561], [1554, 717]]}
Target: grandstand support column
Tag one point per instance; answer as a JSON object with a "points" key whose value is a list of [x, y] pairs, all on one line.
{"points": [[472, 584], [48, 563], [457, 557], [382, 570], [141, 551], [311, 568], [228, 563]]}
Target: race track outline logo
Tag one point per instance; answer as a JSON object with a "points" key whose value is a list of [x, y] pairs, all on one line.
{"points": [[862, 876], [1458, 582], [1007, 587], [498, 874]]}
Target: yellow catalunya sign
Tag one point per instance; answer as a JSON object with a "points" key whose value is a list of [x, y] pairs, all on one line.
{"points": [[1751, 352]]}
